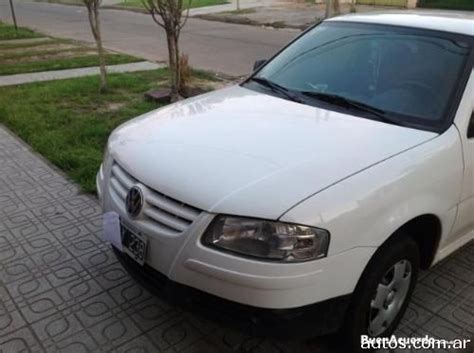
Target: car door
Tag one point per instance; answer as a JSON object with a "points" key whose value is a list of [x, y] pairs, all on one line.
{"points": [[463, 229], [470, 151]]}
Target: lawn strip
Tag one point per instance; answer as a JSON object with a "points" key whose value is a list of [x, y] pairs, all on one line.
{"points": [[8, 32], [25, 54], [65, 63], [6, 45]]}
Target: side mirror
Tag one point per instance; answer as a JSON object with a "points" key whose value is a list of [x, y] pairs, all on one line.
{"points": [[470, 129], [258, 64]]}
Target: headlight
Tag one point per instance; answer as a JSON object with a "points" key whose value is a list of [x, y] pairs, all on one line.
{"points": [[268, 240]]}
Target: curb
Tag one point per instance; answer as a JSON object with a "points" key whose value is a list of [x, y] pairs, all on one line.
{"points": [[249, 22]]}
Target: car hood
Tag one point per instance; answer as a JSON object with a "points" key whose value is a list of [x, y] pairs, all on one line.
{"points": [[237, 151]]}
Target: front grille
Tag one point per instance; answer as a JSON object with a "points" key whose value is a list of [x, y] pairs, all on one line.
{"points": [[165, 214]]}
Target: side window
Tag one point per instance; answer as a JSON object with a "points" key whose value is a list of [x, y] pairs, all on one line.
{"points": [[470, 129]]}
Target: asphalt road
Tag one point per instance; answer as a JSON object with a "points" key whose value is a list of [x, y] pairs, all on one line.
{"points": [[221, 47]]}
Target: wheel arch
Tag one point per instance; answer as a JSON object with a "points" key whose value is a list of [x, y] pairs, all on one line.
{"points": [[426, 230]]}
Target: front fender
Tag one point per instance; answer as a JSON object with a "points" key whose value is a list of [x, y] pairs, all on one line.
{"points": [[365, 209]]}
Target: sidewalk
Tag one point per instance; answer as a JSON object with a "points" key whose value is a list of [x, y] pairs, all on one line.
{"points": [[281, 14], [232, 6], [61, 289], [19, 79]]}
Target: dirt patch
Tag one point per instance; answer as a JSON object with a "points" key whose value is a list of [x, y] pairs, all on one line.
{"points": [[210, 85], [44, 47], [113, 107], [24, 41], [61, 55]]}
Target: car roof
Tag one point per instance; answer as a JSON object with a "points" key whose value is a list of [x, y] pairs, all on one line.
{"points": [[447, 21]]}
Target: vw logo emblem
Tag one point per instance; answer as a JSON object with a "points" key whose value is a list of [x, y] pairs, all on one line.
{"points": [[134, 201]]}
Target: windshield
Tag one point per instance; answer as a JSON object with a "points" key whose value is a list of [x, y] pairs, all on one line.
{"points": [[403, 74]]}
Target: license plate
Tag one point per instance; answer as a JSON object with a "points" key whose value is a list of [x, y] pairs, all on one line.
{"points": [[134, 244]]}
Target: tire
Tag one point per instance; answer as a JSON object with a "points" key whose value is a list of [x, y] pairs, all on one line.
{"points": [[382, 276]]}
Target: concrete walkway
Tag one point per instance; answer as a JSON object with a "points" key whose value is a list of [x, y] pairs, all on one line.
{"points": [[232, 6], [62, 290], [296, 15], [19, 79]]}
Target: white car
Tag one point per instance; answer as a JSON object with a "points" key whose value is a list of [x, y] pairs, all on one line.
{"points": [[319, 186]]}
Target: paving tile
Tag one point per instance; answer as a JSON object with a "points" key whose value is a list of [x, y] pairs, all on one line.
{"points": [[81, 342], [11, 319], [152, 313], [110, 276], [56, 327], [414, 317], [140, 344], [441, 328], [114, 332], [461, 311], [22, 340], [176, 333], [437, 289], [40, 306], [129, 295], [230, 340], [96, 309]]}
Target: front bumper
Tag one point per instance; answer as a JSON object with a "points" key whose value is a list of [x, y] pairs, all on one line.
{"points": [[183, 259], [303, 322]]}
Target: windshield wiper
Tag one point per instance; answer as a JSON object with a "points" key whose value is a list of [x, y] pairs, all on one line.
{"points": [[353, 104], [275, 87]]}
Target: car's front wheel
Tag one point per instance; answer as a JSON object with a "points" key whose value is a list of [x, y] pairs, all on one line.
{"points": [[384, 290]]}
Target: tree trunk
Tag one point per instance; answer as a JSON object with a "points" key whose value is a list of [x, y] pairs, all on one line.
{"points": [[336, 7], [328, 4], [93, 12], [179, 86], [353, 6], [100, 50], [173, 54], [12, 8]]}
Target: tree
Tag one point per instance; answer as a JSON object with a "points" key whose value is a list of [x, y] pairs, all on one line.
{"points": [[335, 7], [328, 4], [94, 21], [168, 14], [353, 6], [12, 9]]}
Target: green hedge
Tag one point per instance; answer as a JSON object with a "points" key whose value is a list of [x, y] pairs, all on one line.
{"points": [[448, 4]]}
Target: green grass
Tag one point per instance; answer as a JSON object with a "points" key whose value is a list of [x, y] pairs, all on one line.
{"points": [[448, 4], [203, 3], [8, 32], [61, 64], [68, 122], [194, 3]]}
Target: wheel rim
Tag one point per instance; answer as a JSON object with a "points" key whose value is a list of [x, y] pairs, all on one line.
{"points": [[389, 297]]}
